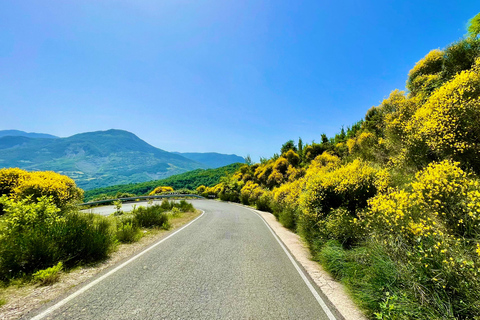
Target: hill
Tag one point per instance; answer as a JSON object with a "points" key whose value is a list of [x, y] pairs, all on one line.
{"points": [[189, 180], [94, 159], [16, 133], [212, 159]]}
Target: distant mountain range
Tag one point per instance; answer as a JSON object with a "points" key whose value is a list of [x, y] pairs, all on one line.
{"points": [[101, 158], [212, 159], [15, 133]]}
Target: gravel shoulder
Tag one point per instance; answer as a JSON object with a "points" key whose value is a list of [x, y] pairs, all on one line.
{"points": [[23, 298]]}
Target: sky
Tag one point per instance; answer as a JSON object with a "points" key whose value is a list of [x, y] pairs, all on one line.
{"points": [[236, 77]]}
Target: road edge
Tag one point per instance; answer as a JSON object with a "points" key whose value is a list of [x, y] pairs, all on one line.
{"points": [[333, 292]]}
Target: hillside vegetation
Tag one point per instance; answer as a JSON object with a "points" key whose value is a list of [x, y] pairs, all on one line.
{"points": [[42, 230], [188, 180], [390, 206]]}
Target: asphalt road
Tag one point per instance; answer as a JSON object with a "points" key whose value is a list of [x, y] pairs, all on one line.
{"points": [[225, 265]]}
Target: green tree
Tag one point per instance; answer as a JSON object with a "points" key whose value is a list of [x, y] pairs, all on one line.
{"points": [[474, 26], [300, 147], [289, 145]]}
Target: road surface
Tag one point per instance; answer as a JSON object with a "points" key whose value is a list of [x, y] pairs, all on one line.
{"points": [[225, 265]]}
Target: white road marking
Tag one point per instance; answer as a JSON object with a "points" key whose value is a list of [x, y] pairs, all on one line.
{"points": [[91, 284], [304, 277]]}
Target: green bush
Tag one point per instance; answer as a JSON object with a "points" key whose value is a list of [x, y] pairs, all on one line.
{"points": [[184, 206], [48, 276], [263, 203], [150, 217], [288, 218], [128, 230], [37, 236]]}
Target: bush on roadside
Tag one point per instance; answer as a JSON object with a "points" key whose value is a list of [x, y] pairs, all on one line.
{"points": [[39, 235], [48, 276], [151, 217], [127, 230]]}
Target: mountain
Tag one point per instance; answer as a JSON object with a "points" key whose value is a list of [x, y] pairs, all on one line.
{"points": [[212, 159], [95, 159], [16, 133]]}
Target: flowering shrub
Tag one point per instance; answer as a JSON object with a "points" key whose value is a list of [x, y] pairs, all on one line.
{"points": [[21, 184], [425, 73], [436, 223], [349, 186], [161, 189], [449, 122], [10, 178]]}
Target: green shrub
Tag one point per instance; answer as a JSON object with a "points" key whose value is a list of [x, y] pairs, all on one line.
{"points": [[48, 276], [263, 203], [184, 206], [166, 205], [153, 216], [288, 218], [127, 230], [37, 236], [175, 212]]}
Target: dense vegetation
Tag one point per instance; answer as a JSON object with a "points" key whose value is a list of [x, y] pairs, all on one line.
{"points": [[42, 231], [188, 180], [390, 206]]}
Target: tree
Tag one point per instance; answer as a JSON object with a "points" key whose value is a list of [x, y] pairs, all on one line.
{"points": [[474, 26], [289, 145], [300, 147], [325, 138], [248, 160]]}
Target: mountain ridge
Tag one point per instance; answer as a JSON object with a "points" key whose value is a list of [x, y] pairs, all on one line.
{"points": [[94, 159]]}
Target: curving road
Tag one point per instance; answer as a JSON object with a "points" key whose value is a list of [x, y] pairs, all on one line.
{"points": [[225, 265]]}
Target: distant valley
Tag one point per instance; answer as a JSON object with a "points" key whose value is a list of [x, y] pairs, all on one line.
{"points": [[101, 158]]}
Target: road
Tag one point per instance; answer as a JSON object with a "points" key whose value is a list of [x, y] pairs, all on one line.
{"points": [[126, 206], [225, 265]]}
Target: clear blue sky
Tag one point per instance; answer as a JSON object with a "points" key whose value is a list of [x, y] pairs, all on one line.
{"points": [[228, 76]]}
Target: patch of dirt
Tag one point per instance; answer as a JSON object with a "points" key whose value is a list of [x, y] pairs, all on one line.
{"points": [[23, 298]]}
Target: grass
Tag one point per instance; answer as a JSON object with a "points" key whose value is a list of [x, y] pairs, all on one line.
{"points": [[22, 291]]}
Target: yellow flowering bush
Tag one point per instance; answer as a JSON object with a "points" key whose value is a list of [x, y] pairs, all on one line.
{"points": [[435, 225], [348, 186], [162, 189], [10, 178], [200, 189], [287, 195], [449, 122], [249, 193], [363, 145], [20, 184], [263, 172], [420, 77]]}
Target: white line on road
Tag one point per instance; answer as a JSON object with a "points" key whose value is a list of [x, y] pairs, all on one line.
{"points": [[304, 277], [91, 284]]}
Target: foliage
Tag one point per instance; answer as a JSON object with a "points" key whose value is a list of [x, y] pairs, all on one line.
{"points": [[128, 230], [289, 145], [474, 26], [152, 216], [159, 190], [190, 180], [48, 276], [39, 235], [435, 227], [20, 184], [448, 121], [425, 76]]}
